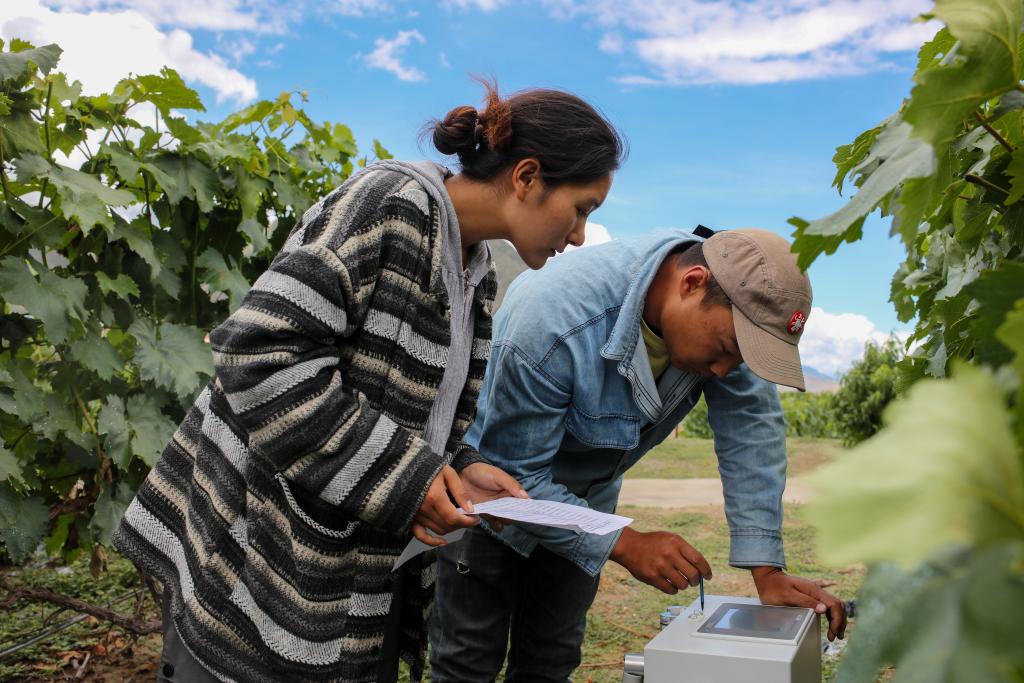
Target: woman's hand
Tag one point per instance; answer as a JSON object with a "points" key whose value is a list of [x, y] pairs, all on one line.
{"points": [[437, 513]]}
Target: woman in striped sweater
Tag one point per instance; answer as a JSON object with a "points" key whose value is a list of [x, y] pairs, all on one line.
{"points": [[332, 429]]}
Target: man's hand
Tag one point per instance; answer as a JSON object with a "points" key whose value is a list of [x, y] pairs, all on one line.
{"points": [[776, 587], [437, 513], [660, 558], [483, 482]]}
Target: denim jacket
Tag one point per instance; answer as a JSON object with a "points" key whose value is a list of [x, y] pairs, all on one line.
{"points": [[569, 403]]}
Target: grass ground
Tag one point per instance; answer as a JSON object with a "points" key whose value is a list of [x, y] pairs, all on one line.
{"points": [[623, 619], [686, 458]]}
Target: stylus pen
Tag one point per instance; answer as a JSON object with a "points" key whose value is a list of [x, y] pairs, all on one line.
{"points": [[701, 592]]}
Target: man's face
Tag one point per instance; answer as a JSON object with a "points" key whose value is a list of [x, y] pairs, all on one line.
{"points": [[700, 339]]}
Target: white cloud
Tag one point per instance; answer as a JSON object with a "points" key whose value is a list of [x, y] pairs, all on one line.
{"points": [[387, 55], [483, 5], [140, 47], [832, 342], [758, 41]]}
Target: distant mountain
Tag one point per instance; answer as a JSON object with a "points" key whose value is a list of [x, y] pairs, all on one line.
{"points": [[816, 381]]}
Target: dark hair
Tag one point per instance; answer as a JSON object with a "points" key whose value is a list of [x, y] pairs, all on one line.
{"points": [[573, 141], [690, 254]]}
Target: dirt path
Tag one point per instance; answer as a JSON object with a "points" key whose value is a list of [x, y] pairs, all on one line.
{"points": [[677, 493]]}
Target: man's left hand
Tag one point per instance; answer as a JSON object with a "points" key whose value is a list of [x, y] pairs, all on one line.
{"points": [[483, 482], [776, 587]]}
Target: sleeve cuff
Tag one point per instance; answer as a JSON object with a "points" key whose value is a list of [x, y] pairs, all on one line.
{"points": [[465, 455], [756, 548], [591, 551]]}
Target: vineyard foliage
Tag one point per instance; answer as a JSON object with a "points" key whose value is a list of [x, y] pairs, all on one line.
{"points": [[126, 233], [935, 500], [865, 390], [806, 414]]}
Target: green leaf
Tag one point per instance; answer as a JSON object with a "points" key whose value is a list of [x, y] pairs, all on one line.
{"points": [[5, 104], [1011, 334], [986, 65], [15, 65], [129, 167], [151, 429], [223, 278], [997, 291], [139, 238], [110, 508], [22, 523], [952, 619], [1016, 172], [251, 114], [167, 91], [935, 49], [123, 286], [256, 232], [379, 151], [26, 401], [21, 134], [945, 470], [96, 354], [56, 540], [10, 468], [113, 425], [191, 179], [55, 300], [82, 195], [894, 158], [174, 356]]}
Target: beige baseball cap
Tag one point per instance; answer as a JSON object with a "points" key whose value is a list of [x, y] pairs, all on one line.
{"points": [[771, 299]]}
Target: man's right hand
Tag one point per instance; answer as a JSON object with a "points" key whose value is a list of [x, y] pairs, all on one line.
{"points": [[660, 558]]}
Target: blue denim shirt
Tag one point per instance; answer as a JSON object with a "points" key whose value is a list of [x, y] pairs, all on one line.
{"points": [[569, 403]]}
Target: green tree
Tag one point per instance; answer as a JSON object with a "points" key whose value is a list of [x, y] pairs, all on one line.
{"points": [[935, 500], [112, 273], [809, 414], [865, 390]]}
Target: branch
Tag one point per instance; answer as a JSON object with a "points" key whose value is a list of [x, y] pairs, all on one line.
{"points": [[993, 132], [136, 625], [66, 506], [987, 184]]}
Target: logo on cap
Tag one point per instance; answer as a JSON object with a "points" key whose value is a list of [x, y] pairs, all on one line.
{"points": [[796, 322]]}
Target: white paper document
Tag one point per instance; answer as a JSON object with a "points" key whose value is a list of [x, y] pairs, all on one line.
{"points": [[552, 513], [531, 511]]}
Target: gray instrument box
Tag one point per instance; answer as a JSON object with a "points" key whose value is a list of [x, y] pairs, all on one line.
{"points": [[735, 640]]}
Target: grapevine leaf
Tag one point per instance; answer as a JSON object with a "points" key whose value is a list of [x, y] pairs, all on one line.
{"points": [[251, 114], [26, 401], [110, 508], [191, 179], [123, 286], [21, 134], [952, 619], [996, 291], [848, 157], [138, 236], [1011, 101], [113, 425], [151, 429], [22, 523], [129, 167], [1011, 334], [82, 195], [15, 65], [256, 232], [894, 157], [59, 536], [935, 49], [60, 419], [1016, 172], [96, 354], [986, 65], [174, 356], [167, 91], [223, 278], [10, 468], [379, 151], [952, 475], [54, 300], [5, 105]]}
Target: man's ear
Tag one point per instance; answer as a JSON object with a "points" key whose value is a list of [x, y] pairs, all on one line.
{"points": [[526, 177], [693, 280]]}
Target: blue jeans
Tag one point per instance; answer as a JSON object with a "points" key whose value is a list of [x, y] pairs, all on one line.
{"points": [[489, 596]]}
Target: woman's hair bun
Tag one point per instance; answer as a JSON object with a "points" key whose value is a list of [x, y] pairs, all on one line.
{"points": [[459, 132]]}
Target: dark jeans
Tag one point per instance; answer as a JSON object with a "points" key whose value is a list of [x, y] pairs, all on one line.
{"points": [[488, 596]]}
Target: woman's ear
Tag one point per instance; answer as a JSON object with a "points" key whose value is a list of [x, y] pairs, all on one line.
{"points": [[525, 177]]}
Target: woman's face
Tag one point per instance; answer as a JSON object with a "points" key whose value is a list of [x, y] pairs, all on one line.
{"points": [[544, 221]]}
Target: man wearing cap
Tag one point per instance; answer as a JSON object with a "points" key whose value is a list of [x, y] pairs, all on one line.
{"points": [[595, 360]]}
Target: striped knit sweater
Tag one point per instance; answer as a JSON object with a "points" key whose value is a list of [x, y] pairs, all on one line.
{"points": [[275, 513]]}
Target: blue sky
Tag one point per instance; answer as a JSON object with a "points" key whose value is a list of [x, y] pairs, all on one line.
{"points": [[732, 108]]}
